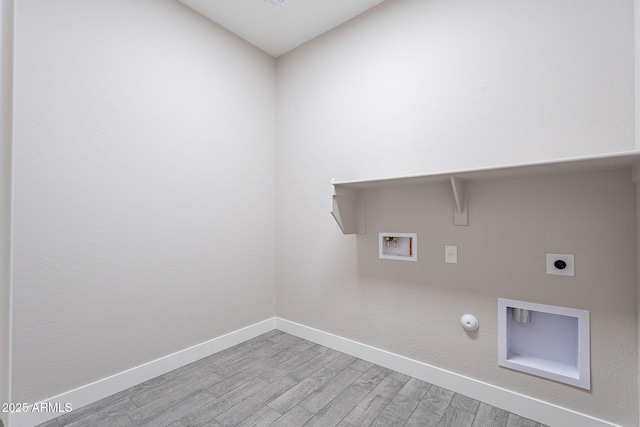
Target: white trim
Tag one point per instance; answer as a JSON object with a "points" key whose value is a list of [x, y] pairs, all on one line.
{"points": [[525, 406], [528, 407], [95, 391]]}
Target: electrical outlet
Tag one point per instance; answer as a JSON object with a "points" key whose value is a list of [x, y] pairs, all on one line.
{"points": [[561, 264], [451, 254]]}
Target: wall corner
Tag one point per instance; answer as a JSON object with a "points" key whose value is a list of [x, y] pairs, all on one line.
{"points": [[637, 194], [7, 15], [636, 44]]}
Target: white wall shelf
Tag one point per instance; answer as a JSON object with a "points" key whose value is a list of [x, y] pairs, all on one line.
{"points": [[349, 209]]}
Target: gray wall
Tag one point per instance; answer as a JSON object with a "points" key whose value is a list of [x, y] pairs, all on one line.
{"points": [[423, 86], [6, 88], [638, 274], [144, 185], [144, 188]]}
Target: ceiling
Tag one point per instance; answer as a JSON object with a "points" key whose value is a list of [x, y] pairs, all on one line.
{"points": [[277, 26]]}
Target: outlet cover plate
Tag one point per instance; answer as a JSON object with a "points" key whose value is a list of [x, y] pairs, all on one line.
{"points": [[569, 270], [451, 254]]}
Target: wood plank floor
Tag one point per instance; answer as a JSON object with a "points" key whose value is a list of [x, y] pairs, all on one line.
{"points": [[280, 380]]}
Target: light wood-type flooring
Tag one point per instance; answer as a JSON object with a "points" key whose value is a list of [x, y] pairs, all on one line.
{"points": [[280, 380]]}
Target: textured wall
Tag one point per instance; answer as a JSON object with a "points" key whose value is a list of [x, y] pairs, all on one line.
{"points": [[638, 282], [433, 85], [637, 67], [144, 188], [141, 129], [422, 86], [6, 113]]}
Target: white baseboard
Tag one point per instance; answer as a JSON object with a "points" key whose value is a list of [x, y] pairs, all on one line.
{"points": [[522, 405], [106, 387], [525, 406]]}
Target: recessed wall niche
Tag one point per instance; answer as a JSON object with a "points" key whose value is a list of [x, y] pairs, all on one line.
{"points": [[398, 246], [544, 340]]}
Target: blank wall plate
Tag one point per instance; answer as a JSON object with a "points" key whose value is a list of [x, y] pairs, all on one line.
{"points": [[451, 254], [554, 264]]}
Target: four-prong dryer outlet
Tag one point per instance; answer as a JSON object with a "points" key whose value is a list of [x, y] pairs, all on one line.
{"points": [[561, 265]]}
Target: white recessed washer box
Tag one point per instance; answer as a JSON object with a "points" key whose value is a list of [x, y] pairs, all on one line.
{"points": [[398, 246], [545, 340]]}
